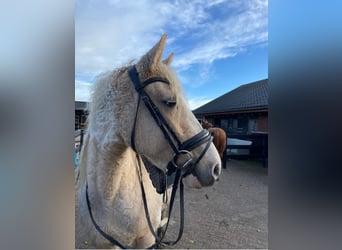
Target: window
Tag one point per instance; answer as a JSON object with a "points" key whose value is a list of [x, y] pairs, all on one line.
{"points": [[252, 125], [224, 124]]}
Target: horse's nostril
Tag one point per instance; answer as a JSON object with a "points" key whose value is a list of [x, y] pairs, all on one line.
{"points": [[216, 171]]}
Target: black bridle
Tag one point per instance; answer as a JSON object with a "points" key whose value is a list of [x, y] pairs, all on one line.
{"points": [[174, 167]]}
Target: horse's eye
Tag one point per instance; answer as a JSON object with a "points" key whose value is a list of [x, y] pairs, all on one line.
{"points": [[170, 103]]}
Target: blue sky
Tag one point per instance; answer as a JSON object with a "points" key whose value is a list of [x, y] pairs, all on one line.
{"points": [[218, 44]]}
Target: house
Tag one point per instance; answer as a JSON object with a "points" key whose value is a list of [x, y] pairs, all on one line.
{"points": [[81, 114], [242, 111], [243, 114]]}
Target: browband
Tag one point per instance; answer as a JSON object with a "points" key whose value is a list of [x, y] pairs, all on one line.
{"points": [[134, 75]]}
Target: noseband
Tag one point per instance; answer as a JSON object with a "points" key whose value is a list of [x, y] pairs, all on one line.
{"points": [[179, 148]]}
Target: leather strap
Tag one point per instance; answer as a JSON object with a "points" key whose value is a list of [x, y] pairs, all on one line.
{"points": [[177, 180], [105, 235], [196, 140], [156, 114]]}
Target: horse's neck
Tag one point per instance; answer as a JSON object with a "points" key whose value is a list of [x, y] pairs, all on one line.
{"points": [[115, 194], [107, 167]]}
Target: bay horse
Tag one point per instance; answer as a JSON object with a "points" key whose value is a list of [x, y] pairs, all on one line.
{"points": [[137, 111], [220, 137]]}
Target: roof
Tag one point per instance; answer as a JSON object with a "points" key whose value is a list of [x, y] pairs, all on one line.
{"points": [[81, 105], [249, 96]]}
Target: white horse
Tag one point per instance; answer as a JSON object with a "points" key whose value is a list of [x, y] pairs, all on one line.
{"points": [[108, 167]]}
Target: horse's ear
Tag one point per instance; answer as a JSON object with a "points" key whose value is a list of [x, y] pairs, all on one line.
{"points": [[153, 57], [168, 60]]}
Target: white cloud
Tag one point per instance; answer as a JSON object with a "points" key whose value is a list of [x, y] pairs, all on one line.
{"points": [[110, 33], [197, 102], [224, 38], [83, 91], [115, 32]]}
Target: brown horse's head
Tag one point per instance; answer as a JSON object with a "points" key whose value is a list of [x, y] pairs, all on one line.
{"points": [[206, 124]]}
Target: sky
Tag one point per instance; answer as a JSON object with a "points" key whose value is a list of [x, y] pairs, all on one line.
{"points": [[218, 44]]}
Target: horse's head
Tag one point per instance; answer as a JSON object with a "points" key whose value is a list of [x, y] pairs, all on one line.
{"points": [[154, 80], [207, 124]]}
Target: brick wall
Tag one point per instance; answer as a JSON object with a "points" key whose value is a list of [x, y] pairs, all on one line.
{"points": [[262, 123]]}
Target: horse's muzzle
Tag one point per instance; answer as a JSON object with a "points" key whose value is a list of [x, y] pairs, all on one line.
{"points": [[201, 177]]}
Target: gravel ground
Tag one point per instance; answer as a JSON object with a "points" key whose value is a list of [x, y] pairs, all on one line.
{"points": [[232, 214]]}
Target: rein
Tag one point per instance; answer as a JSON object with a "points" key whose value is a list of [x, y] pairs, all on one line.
{"points": [[174, 168]]}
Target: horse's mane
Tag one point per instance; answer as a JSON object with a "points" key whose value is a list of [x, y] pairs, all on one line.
{"points": [[99, 123]]}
